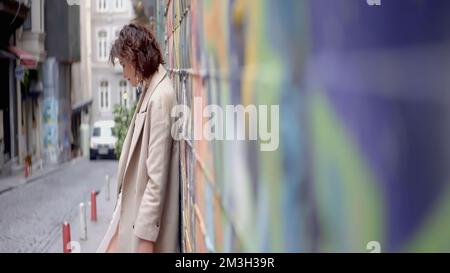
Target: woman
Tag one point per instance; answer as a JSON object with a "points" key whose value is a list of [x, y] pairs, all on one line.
{"points": [[146, 217]]}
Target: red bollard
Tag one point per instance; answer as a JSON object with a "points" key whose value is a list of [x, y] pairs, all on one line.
{"points": [[66, 238], [93, 206], [25, 169]]}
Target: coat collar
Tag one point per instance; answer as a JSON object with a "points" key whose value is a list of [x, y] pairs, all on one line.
{"points": [[154, 82], [134, 131]]}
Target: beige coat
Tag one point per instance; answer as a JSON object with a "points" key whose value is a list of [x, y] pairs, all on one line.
{"points": [[148, 172]]}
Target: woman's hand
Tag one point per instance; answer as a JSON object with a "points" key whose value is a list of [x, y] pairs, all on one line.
{"points": [[145, 246]]}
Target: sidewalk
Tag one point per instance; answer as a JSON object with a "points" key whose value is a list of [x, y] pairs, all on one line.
{"points": [[95, 230], [12, 182]]}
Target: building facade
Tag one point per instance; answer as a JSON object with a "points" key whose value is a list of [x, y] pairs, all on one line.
{"points": [[109, 88], [13, 14], [21, 64], [61, 78]]}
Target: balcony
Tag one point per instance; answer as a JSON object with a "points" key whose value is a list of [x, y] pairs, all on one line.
{"points": [[35, 44]]}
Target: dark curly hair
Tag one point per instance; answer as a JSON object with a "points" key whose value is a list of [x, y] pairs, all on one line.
{"points": [[137, 45]]}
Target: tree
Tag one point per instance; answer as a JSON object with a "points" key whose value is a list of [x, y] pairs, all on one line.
{"points": [[122, 118]]}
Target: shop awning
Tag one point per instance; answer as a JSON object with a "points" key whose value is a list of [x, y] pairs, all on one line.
{"points": [[81, 105], [26, 59]]}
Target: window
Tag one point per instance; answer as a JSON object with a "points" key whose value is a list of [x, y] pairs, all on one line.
{"points": [[96, 132], [42, 16], [107, 132], [116, 33], [123, 93], [103, 132], [119, 5], [104, 96], [27, 24], [102, 44], [101, 6]]}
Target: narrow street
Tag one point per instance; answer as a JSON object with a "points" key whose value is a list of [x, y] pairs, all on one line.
{"points": [[32, 214], [241, 126]]}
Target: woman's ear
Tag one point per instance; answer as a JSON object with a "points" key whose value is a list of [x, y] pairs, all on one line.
{"points": [[137, 76]]}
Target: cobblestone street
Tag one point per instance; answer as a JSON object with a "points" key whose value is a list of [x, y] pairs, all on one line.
{"points": [[32, 214]]}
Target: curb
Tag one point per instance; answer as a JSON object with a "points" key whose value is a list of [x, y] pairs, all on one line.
{"points": [[51, 170]]}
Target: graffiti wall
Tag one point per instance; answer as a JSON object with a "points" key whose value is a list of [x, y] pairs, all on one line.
{"points": [[361, 158]]}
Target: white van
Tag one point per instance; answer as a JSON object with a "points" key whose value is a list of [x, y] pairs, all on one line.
{"points": [[103, 140]]}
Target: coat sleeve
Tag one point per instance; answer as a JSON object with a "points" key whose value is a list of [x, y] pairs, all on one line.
{"points": [[148, 219]]}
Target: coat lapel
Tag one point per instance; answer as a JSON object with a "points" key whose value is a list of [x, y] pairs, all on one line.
{"points": [[138, 120], [126, 148]]}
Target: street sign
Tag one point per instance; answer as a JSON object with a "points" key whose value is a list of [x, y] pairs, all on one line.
{"points": [[19, 72]]}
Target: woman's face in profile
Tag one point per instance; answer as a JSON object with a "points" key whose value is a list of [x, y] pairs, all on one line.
{"points": [[129, 72]]}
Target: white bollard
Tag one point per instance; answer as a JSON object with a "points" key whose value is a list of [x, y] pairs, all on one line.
{"points": [[74, 246], [83, 225], [107, 195]]}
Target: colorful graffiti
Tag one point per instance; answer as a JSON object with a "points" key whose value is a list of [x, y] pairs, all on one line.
{"points": [[364, 123], [50, 131]]}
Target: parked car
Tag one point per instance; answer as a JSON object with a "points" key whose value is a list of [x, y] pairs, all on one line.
{"points": [[103, 140]]}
